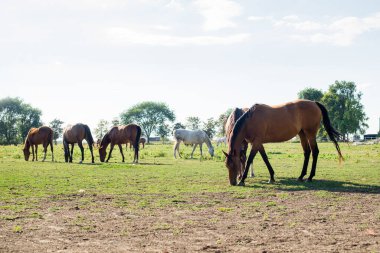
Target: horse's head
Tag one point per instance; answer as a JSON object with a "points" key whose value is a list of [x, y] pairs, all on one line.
{"points": [[211, 151], [233, 166], [26, 154], [102, 153]]}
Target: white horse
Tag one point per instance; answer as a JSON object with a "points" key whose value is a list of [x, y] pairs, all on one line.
{"points": [[196, 137], [221, 140]]}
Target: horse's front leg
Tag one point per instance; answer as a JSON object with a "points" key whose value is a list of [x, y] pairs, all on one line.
{"points": [[252, 155], [109, 155], [195, 146], [33, 152], [121, 151], [267, 163]]}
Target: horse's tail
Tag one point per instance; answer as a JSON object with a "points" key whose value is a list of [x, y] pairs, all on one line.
{"points": [[333, 134], [137, 140], [89, 138]]}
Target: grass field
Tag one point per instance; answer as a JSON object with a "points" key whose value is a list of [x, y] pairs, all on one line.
{"points": [[163, 204]]}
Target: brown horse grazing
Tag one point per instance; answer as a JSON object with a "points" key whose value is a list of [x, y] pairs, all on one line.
{"points": [[76, 134], [119, 135], [42, 135], [262, 124], [228, 127]]}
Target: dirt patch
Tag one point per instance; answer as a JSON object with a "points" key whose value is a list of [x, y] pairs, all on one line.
{"points": [[304, 221]]}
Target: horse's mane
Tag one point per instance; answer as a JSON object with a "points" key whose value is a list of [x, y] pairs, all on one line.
{"points": [[105, 138], [240, 123]]}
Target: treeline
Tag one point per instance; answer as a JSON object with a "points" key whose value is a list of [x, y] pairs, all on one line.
{"points": [[342, 99]]}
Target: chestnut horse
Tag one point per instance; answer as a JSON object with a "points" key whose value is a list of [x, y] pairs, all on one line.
{"points": [[119, 135], [228, 127], [263, 124], [42, 135], [76, 134]]}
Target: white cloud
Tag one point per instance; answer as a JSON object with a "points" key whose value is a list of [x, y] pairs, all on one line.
{"points": [[176, 5], [340, 32], [260, 18], [218, 14], [124, 35]]}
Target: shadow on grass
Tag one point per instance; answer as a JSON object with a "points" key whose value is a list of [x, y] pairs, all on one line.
{"points": [[290, 184]]}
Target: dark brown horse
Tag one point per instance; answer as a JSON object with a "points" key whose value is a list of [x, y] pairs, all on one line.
{"points": [[42, 135], [119, 135], [228, 127], [76, 134], [263, 124]]}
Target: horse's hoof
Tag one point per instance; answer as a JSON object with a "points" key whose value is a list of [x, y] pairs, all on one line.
{"points": [[241, 183], [252, 176], [309, 180], [80, 162], [300, 180], [271, 181]]}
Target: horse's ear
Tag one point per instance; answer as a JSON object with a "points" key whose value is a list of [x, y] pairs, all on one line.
{"points": [[225, 153]]}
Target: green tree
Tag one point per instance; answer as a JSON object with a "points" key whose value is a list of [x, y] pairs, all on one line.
{"points": [[149, 115], [343, 102], [193, 123], [310, 94], [115, 121], [163, 131], [221, 122], [56, 125], [16, 118], [101, 129], [178, 125], [209, 127]]}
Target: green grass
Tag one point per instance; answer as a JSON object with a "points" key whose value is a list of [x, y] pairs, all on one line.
{"points": [[160, 180]]}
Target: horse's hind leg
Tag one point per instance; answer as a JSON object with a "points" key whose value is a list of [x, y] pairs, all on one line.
{"points": [[81, 150], [315, 152], [92, 154], [307, 151], [52, 153], [45, 151], [121, 151], [176, 148], [71, 153], [267, 163], [36, 152]]}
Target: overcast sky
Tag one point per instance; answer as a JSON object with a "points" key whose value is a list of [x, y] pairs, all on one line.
{"points": [[86, 60]]}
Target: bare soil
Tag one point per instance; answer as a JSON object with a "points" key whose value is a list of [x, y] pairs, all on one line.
{"points": [[276, 221]]}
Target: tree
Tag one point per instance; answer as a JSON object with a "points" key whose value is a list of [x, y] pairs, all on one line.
{"points": [[16, 118], [221, 122], [115, 122], [193, 123], [163, 131], [310, 94], [149, 115], [56, 125], [178, 125], [343, 102], [101, 129], [209, 127]]}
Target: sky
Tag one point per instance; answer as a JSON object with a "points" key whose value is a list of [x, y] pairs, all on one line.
{"points": [[86, 60]]}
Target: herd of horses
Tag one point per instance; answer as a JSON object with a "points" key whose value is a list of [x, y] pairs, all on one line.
{"points": [[256, 126]]}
